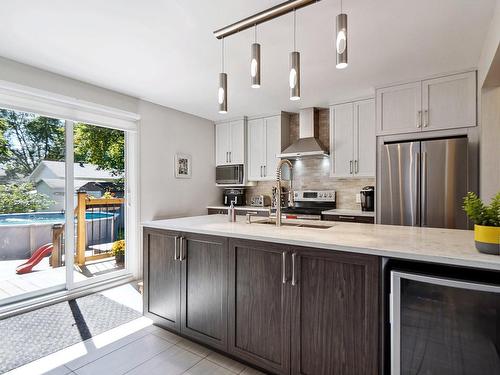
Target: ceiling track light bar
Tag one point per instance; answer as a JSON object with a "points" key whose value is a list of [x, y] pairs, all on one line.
{"points": [[261, 17]]}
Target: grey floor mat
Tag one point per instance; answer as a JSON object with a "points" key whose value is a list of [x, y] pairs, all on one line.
{"points": [[35, 334]]}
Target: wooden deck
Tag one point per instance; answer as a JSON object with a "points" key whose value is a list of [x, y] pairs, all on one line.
{"points": [[44, 276]]}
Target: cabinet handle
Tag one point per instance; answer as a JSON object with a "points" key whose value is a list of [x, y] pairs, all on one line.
{"points": [[176, 247], [294, 281], [426, 118], [419, 119], [265, 172], [230, 156], [283, 266], [350, 166], [356, 167], [347, 217], [261, 171]]}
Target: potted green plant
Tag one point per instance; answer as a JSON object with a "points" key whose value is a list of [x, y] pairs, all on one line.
{"points": [[118, 250], [486, 222]]}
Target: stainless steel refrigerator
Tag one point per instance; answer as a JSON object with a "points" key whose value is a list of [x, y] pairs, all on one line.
{"points": [[423, 183]]}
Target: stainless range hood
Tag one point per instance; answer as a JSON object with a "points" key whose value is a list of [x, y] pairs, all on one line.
{"points": [[308, 144]]}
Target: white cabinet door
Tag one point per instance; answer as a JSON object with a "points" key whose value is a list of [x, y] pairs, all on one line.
{"points": [[341, 140], [449, 102], [399, 109], [273, 145], [222, 140], [364, 138], [237, 142], [256, 149]]}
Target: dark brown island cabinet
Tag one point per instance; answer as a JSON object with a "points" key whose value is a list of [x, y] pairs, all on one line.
{"points": [[284, 309]]}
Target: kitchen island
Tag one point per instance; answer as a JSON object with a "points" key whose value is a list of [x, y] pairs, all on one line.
{"points": [[305, 298]]}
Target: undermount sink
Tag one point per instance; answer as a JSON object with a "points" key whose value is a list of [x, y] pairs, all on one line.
{"points": [[296, 225]]}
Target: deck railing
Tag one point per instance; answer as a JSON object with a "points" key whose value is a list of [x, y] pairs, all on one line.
{"points": [[85, 204]]}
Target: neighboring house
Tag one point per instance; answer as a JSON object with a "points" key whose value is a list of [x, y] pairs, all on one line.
{"points": [[49, 179], [3, 175]]}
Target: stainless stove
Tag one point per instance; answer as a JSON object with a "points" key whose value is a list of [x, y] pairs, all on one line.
{"points": [[308, 204]]}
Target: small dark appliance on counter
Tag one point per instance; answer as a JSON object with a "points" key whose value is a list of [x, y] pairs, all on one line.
{"points": [[260, 201], [367, 198], [236, 195]]}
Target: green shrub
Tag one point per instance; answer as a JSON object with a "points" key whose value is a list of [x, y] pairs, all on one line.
{"points": [[20, 198], [480, 213]]}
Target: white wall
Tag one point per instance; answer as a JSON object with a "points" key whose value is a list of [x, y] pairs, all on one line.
{"points": [[489, 89], [164, 132], [490, 46]]}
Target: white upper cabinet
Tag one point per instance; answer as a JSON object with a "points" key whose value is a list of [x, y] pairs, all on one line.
{"points": [[256, 149], [449, 102], [222, 141], [342, 140], [352, 139], [364, 138], [440, 103], [267, 137], [399, 108], [230, 142]]}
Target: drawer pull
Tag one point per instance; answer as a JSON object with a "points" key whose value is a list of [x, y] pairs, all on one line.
{"points": [[347, 217]]}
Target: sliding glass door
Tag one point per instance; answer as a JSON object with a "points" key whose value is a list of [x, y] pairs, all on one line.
{"points": [[99, 183], [32, 205], [65, 213]]}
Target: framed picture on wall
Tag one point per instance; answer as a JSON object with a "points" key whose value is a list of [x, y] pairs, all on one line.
{"points": [[182, 167]]}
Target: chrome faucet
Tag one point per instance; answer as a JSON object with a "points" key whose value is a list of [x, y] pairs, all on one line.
{"points": [[278, 188]]}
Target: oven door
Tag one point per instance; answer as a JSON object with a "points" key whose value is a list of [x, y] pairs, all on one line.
{"points": [[229, 174], [443, 326]]}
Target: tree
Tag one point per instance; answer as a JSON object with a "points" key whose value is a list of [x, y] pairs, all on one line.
{"points": [[100, 146], [18, 198], [27, 139]]}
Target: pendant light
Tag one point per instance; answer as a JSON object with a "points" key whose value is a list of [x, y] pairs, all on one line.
{"points": [[341, 39], [222, 93], [294, 75], [255, 62]]}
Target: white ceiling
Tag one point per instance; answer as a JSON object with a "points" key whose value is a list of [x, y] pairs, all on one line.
{"points": [[164, 50]]}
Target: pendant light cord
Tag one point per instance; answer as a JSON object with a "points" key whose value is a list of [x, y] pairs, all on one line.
{"points": [[340, 6], [255, 30], [294, 30], [222, 55]]}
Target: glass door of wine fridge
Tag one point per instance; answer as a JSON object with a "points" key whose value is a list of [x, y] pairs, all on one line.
{"points": [[443, 326]]}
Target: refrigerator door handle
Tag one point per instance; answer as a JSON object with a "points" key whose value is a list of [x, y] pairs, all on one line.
{"points": [[416, 216], [424, 190]]}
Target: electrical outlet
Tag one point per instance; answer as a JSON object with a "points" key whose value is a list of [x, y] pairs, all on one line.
{"points": [[358, 198]]}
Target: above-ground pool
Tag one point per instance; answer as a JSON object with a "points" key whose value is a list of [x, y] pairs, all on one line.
{"points": [[46, 218], [21, 234]]}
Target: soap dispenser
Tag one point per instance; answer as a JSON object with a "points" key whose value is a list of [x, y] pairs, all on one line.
{"points": [[231, 213]]}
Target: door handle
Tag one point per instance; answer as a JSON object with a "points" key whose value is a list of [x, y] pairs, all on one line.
{"points": [[356, 168], [227, 157], [283, 266], [350, 166], [261, 171], [419, 119], [230, 156], [265, 172], [294, 280], [426, 118]]}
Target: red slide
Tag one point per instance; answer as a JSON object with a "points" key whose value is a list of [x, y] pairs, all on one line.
{"points": [[37, 256]]}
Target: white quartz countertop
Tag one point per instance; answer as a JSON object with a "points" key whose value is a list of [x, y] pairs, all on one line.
{"points": [[248, 208], [446, 246], [341, 211]]}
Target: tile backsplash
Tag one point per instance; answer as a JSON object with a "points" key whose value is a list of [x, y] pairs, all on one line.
{"points": [[314, 174]]}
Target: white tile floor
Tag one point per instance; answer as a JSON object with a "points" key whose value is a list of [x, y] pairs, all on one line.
{"points": [[137, 347]]}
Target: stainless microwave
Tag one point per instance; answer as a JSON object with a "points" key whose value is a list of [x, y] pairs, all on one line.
{"points": [[229, 174]]}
